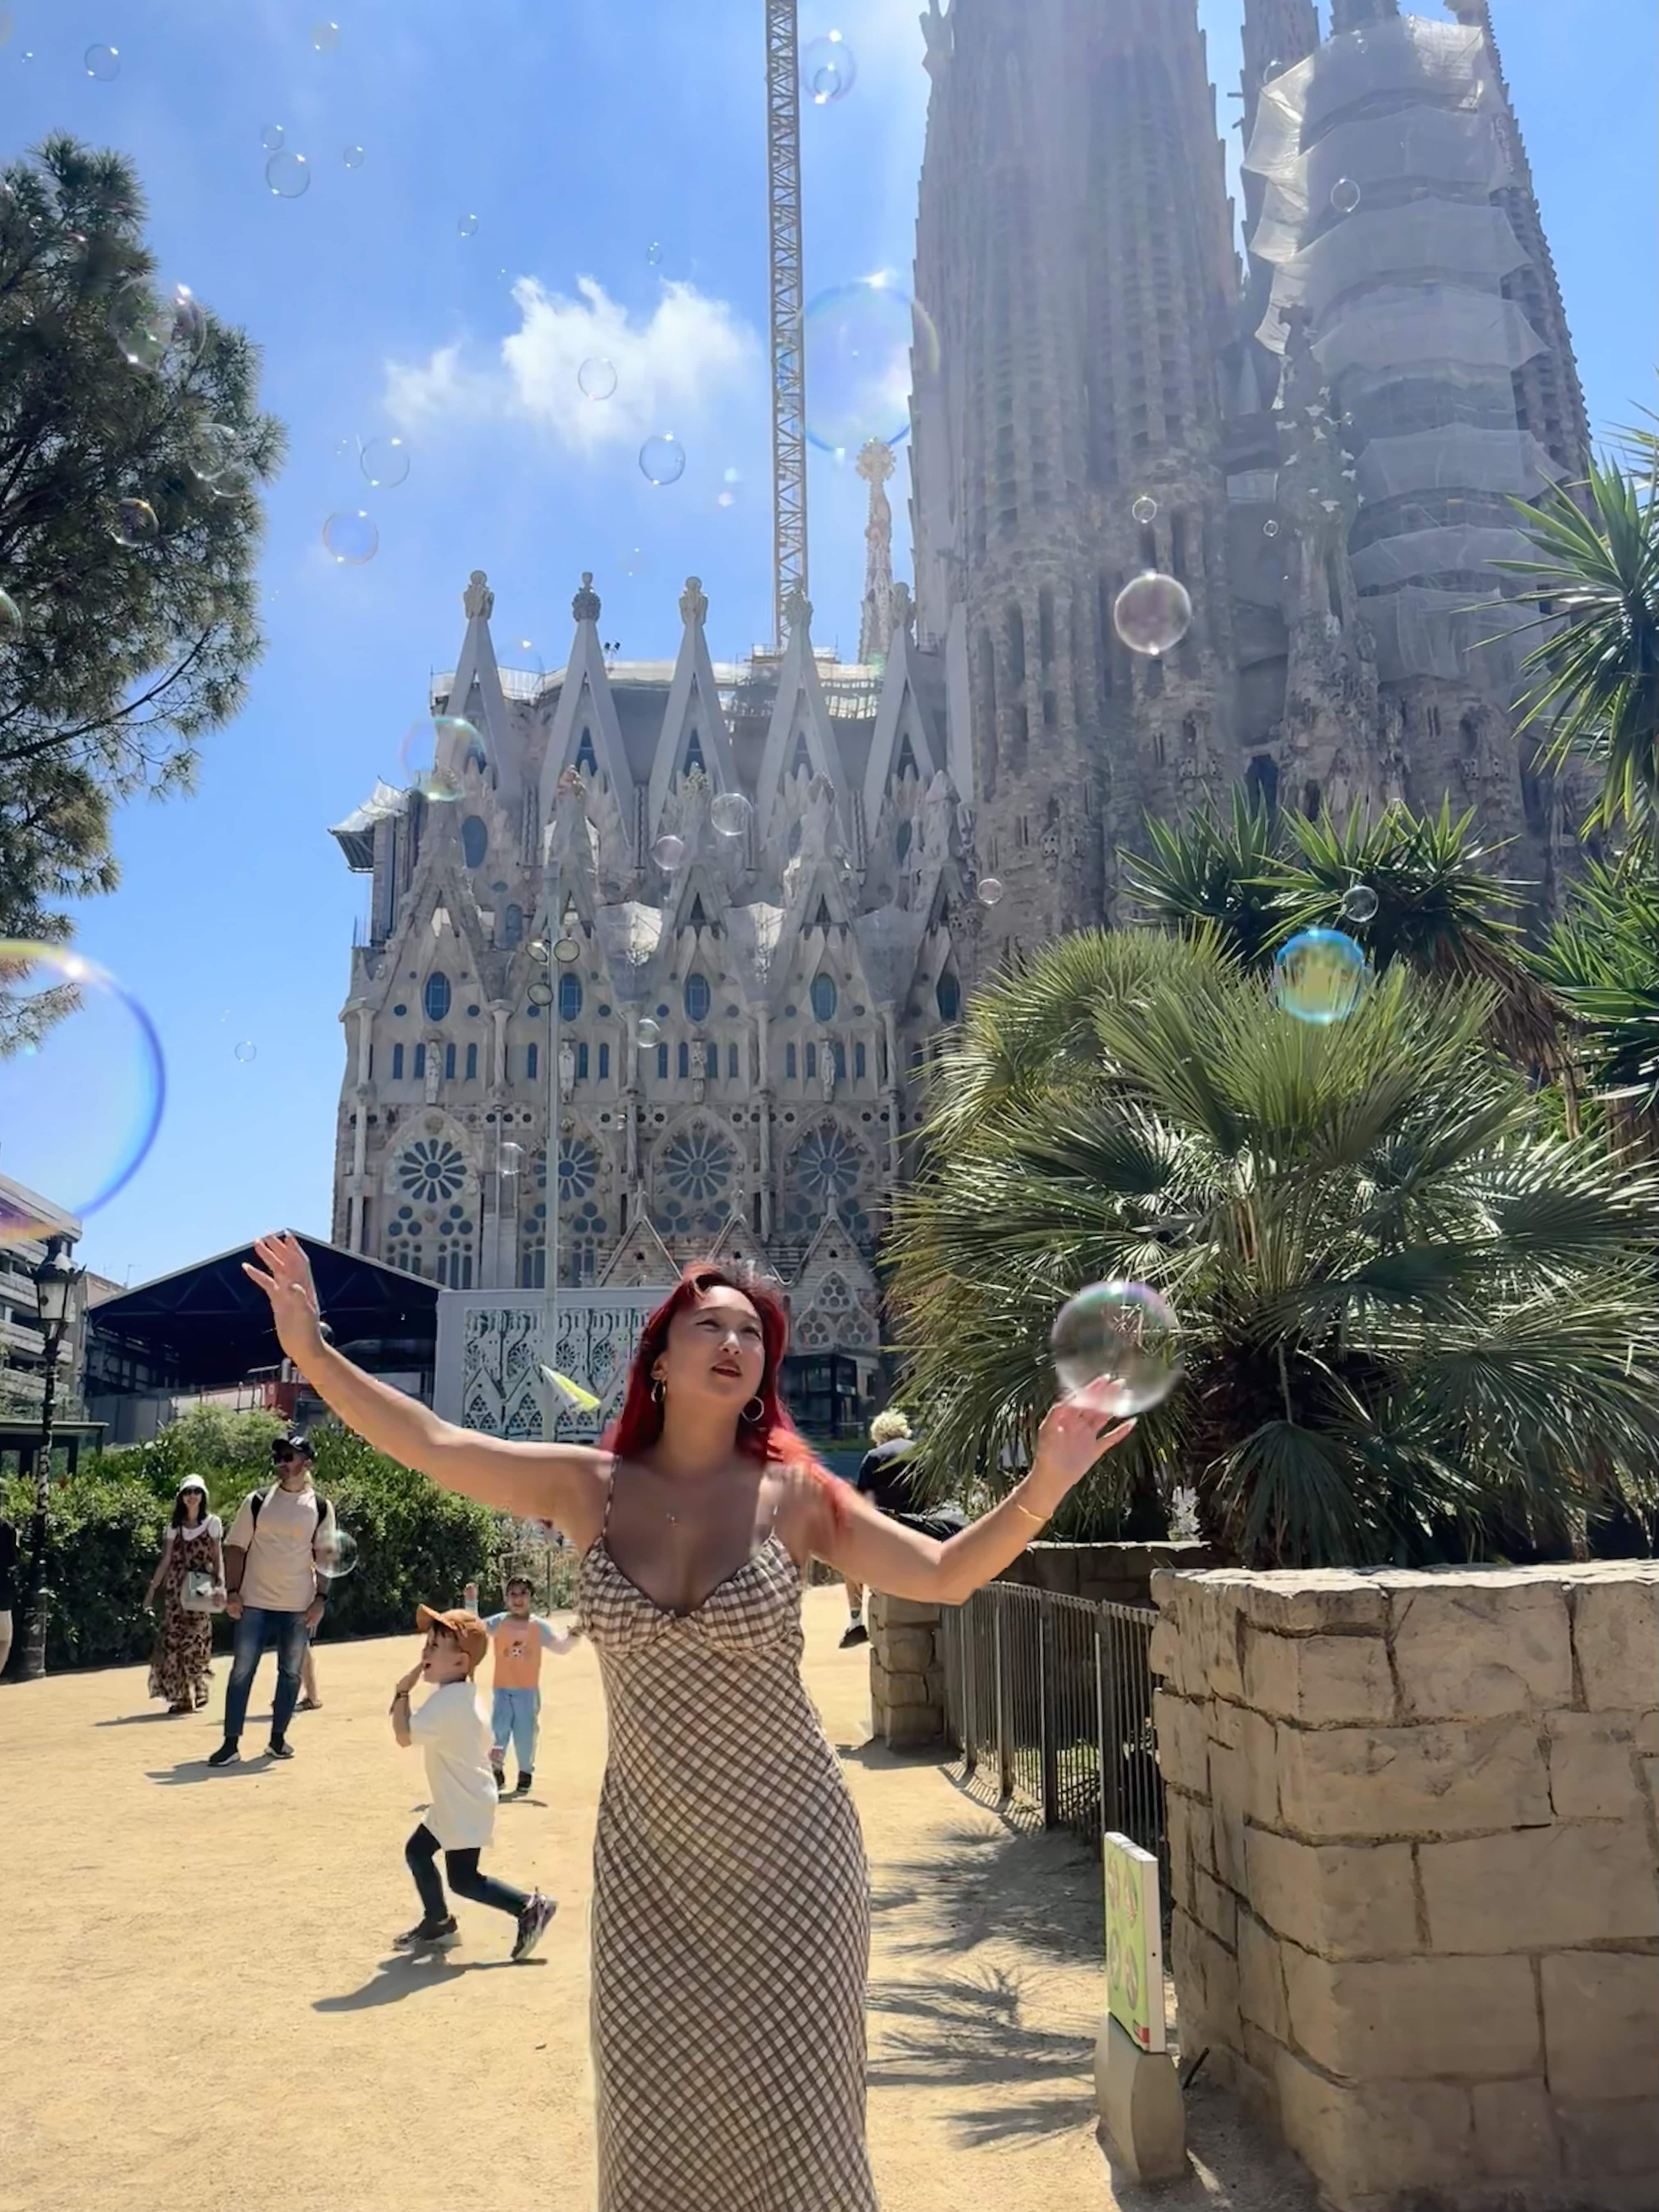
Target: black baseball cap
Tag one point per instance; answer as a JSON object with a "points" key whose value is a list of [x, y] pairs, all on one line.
{"points": [[292, 1447]]}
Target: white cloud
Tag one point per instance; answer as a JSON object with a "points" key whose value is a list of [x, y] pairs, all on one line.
{"points": [[692, 357]]}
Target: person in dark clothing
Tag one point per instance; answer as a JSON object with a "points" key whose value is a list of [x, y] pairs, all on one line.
{"points": [[883, 1478], [7, 1587]]}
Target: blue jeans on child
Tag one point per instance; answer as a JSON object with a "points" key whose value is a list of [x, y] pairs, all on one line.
{"points": [[512, 1715]]}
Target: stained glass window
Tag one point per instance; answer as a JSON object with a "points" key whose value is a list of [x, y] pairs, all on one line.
{"points": [[430, 1169], [436, 998]]}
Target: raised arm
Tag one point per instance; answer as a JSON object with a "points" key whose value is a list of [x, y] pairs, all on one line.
{"points": [[561, 1483], [901, 1562]]}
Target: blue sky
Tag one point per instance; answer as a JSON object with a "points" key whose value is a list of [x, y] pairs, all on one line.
{"points": [[578, 136]]}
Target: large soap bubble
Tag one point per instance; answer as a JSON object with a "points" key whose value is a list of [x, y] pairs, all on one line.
{"points": [[858, 340], [1121, 1334], [1320, 976]]}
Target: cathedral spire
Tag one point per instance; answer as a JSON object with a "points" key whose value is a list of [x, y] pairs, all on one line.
{"points": [[875, 464]]}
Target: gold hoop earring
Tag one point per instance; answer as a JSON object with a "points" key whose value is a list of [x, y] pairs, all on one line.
{"points": [[658, 1393], [759, 1404]]}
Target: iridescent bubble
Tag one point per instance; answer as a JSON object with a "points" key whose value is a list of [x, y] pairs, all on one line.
{"points": [[1120, 1334], [467, 225], [103, 63], [324, 37], [385, 462], [1345, 196], [289, 174], [248, 1052], [597, 378], [1270, 528], [1359, 903], [511, 1158], [989, 891], [730, 813], [1144, 508], [353, 157], [827, 69], [434, 755], [669, 854], [648, 1032], [351, 537], [857, 341], [654, 254], [336, 1554], [1153, 612], [83, 1084], [271, 138], [135, 523], [156, 330], [211, 450], [662, 458], [731, 483], [11, 619], [1320, 976]]}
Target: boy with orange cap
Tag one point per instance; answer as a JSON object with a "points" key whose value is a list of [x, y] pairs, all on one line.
{"points": [[460, 1818]]}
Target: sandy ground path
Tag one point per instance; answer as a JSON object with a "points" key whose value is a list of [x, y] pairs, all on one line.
{"points": [[199, 2009]]}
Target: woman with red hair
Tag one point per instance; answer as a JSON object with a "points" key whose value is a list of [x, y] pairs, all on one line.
{"points": [[731, 1898]]}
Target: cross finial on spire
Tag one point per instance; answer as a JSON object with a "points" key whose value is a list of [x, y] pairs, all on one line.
{"points": [[477, 599], [585, 607]]}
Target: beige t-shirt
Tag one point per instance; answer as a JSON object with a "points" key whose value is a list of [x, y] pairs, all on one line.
{"points": [[280, 1573]]}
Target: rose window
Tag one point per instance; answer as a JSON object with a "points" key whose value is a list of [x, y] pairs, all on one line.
{"points": [[431, 1168], [579, 1169], [827, 1171], [698, 1163]]}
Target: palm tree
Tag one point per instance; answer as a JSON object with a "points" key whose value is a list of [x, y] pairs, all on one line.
{"points": [[1602, 959], [1417, 1323]]}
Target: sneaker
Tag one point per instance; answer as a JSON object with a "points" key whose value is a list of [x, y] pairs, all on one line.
{"points": [[279, 1748], [532, 1923], [430, 1935], [228, 1752], [522, 1788], [856, 1633], [499, 1773]]}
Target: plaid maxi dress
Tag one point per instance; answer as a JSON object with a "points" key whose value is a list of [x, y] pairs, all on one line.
{"points": [[731, 1909]]}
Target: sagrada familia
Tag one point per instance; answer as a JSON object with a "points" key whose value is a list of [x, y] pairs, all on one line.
{"points": [[1320, 438]]}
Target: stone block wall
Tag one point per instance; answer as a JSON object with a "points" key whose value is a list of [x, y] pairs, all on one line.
{"points": [[907, 1670], [1108, 1574], [1414, 1826]]}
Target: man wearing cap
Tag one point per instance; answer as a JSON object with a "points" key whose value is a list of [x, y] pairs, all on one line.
{"points": [[274, 1591]]}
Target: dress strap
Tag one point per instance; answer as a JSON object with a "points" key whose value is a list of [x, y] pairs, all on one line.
{"points": [[609, 1493]]}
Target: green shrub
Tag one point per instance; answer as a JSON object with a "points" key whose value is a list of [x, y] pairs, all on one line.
{"points": [[103, 1538], [417, 1544]]}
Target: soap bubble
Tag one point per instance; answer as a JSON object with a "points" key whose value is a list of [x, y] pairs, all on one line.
{"points": [[11, 619], [289, 174], [634, 565], [1144, 508], [857, 340], [654, 254], [271, 138], [1359, 903], [351, 537], [353, 157], [103, 63], [324, 37], [1345, 196], [827, 69], [432, 752], [385, 462], [511, 1158], [648, 1032], [248, 1052], [989, 891], [597, 378], [135, 523], [81, 1095], [336, 1554], [1118, 1332], [662, 458], [669, 853], [731, 483], [1270, 528], [211, 450], [1153, 612], [1320, 976], [467, 225], [730, 813], [157, 330]]}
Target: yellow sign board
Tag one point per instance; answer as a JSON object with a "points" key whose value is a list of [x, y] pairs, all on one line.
{"points": [[1134, 1944]]}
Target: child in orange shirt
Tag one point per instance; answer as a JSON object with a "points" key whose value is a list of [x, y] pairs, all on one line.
{"points": [[520, 1638]]}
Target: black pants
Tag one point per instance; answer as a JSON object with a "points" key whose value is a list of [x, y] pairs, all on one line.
{"points": [[465, 1878]]}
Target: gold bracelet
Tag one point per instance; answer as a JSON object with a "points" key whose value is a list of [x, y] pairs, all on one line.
{"points": [[1041, 1519]]}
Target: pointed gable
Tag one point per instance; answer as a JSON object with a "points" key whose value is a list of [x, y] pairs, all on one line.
{"points": [[800, 730], [585, 725], [694, 734], [908, 738], [475, 690], [640, 1257]]}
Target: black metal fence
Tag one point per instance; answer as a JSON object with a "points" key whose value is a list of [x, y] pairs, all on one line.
{"points": [[1052, 1695]]}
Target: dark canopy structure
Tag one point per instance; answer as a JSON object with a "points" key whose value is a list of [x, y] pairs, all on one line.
{"points": [[208, 1327]]}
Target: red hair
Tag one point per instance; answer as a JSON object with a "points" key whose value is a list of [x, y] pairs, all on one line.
{"points": [[772, 1436]]}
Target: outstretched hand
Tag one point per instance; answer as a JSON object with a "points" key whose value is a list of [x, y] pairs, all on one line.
{"points": [[1076, 1432], [285, 1281]]}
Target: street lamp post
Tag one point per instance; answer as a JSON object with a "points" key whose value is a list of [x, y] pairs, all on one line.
{"points": [[557, 951], [57, 1288]]}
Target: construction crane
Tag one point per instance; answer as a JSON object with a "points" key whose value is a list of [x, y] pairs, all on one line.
{"points": [[788, 366]]}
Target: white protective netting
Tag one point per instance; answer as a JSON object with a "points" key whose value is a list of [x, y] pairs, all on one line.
{"points": [[1461, 636], [1458, 457], [1407, 326], [1387, 66], [1450, 152], [1443, 241], [1441, 552]]}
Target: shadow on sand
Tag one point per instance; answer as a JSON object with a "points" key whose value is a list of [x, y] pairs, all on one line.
{"points": [[401, 1977]]}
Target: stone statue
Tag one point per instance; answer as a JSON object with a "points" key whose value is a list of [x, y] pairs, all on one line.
{"points": [[937, 807], [826, 1068], [434, 1061], [477, 599], [694, 603], [566, 1069], [585, 605], [798, 612], [816, 817]]}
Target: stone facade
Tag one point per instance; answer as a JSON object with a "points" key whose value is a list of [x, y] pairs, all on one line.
{"points": [[907, 1670], [1415, 1873]]}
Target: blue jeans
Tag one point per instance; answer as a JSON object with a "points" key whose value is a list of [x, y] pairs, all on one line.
{"points": [[258, 1627], [512, 1719]]}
